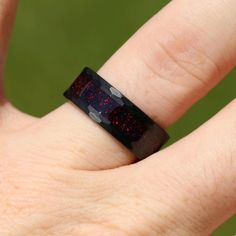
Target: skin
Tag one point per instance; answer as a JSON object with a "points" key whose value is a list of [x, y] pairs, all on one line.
{"points": [[59, 175]]}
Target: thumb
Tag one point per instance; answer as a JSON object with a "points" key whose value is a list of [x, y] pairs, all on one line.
{"points": [[204, 163]]}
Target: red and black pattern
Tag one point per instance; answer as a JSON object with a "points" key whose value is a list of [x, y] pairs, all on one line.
{"points": [[116, 113]]}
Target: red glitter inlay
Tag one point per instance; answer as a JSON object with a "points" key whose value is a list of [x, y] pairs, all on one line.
{"points": [[80, 84], [98, 99], [125, 121]]}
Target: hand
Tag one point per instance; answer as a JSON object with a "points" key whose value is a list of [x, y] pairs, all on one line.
{"points": [[58, 175]]}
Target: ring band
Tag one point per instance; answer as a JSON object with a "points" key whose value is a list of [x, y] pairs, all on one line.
{"points": [[108, 107]]}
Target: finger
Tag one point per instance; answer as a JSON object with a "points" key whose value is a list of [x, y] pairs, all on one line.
{"points": [[202, 168], [7, 15], [10, 118], [171, 62]]}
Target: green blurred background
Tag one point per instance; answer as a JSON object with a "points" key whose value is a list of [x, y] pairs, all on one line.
{"points": [[54, 39]]}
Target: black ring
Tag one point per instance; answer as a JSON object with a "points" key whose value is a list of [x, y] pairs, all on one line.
{"points": [[117, 114]]}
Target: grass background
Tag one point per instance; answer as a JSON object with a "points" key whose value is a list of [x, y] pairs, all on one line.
{"points": [[54, 39]]}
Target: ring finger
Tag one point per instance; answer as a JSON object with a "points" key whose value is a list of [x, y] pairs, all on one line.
{"points": [[170, 63]]}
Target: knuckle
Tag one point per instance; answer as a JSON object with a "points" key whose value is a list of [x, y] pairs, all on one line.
{"points": [[181, 58]]}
